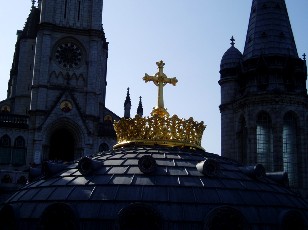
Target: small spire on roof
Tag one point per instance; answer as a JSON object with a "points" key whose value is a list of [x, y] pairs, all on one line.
{"points": [[232, 41], [140, 108], [304, 56], [33, 3], [127, 105]]}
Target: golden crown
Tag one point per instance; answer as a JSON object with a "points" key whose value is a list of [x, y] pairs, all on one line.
{"points": [[160, 128]]}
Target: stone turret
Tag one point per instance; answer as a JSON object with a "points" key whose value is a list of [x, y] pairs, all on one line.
{"points": [[264, 97]]}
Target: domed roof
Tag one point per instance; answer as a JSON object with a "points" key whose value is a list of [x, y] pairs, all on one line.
{"points": [[231, 57], [155, 188], [157, 177]]}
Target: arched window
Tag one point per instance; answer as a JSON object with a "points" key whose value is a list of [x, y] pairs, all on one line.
{"points": [[290, 147], [19, 152], [5, 150], [264, 141], [242, 140], [139, 217], [103, 147], [6, 179], [5, 141], [7, 217], [225, 218], [58, 216], [292, 219]]}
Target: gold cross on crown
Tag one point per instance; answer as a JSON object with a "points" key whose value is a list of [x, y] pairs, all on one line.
{"points": [[160, 80]]}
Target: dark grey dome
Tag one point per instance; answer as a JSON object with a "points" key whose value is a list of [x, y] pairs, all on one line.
{"points": [[156, 188], [231, 58]]}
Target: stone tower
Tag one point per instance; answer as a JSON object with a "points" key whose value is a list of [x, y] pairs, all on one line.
{"points": [[57, 85], [264, 101]]}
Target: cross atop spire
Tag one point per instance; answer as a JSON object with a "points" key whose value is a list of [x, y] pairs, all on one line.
{"points": [[33, 2], [232, 41], [160, 80], [140, 107], [304, 56]]}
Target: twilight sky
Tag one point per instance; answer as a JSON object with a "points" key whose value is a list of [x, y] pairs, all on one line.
{"points": [[190, 36]]}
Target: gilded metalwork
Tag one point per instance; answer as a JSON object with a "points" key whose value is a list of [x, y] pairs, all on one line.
{"points": [[160, 80], [156, 130], [160, 128]]}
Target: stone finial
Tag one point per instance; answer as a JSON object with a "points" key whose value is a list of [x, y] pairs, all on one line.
{"points": [[304, 57]]}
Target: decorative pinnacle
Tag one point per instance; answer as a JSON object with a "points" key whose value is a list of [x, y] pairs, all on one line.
{"points": [[304, 56], [232, 41], [127, 100], [33, 3], [140, 107], [160, 80]]}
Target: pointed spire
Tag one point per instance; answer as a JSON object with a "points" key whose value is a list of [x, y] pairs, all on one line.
{"points": [[31, 25], [262, 37], [232, 41], [140, 108], [127, 105]]}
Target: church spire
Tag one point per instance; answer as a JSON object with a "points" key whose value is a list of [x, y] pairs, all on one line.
{"points": [[140, 108], [127, 105], [269, 30]]}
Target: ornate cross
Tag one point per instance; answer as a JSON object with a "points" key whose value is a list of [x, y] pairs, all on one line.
{"points": [[160, 80]]}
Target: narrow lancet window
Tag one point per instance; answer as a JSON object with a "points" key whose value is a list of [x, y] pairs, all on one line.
{"points": [[265, 141], [290, 147], [65, 9], [79, 8]]}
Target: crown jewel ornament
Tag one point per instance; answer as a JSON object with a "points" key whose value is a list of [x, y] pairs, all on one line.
{"points": [[159, 129]]}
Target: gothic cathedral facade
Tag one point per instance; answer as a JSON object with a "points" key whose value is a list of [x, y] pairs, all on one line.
{"points": [[264, 103], [55, 106]]}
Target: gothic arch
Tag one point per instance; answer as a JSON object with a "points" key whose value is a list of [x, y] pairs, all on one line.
{"points": [[74, 80], [81, 82], [60, 79], [55, 147], [53, 78]]}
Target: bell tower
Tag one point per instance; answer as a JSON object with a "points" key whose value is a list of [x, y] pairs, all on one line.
{"points": [[264, 96], [69, 78]]}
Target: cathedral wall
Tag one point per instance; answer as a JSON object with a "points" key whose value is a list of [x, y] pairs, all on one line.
{"points": [[23, 79], [82, 14], [228, 130], [13, 134]]}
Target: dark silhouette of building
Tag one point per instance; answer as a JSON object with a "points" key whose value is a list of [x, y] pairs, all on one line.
{"points": [[264, 101]]}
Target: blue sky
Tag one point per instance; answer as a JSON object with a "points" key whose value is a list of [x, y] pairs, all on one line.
{"points": [[190, 36]]}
